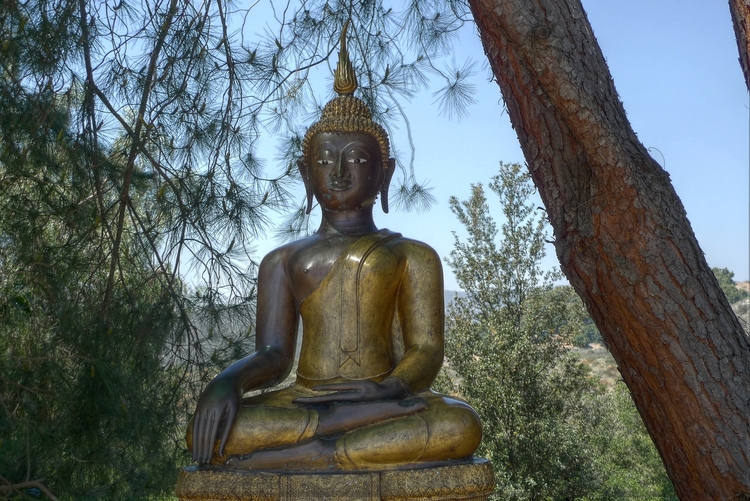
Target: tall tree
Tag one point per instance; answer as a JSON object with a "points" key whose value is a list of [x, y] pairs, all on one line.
{"points": [[549, 429], [625, 244], [506, 339]]}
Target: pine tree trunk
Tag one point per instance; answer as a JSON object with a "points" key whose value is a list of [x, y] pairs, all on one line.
{"points": [[740, 10], [625, 244]]}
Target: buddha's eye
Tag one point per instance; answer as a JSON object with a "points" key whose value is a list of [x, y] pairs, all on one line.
{"points": [[325, 157], [357, 156]]}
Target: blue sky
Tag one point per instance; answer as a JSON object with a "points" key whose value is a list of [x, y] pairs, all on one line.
{"points": [[675, 68]]}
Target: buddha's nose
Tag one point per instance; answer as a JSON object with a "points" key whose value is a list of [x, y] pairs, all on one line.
{"points": [[340, 169]]}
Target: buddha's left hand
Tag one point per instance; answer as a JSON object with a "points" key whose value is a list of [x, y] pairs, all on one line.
{"points": [[358, 391]]}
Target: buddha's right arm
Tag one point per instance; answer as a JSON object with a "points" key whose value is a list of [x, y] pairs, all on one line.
{"points": [[276, 327], [267, 366], [276, 322], [275, 330], [219, 403]]}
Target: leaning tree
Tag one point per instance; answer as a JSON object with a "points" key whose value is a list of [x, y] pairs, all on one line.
{"points": [[624, 242]]}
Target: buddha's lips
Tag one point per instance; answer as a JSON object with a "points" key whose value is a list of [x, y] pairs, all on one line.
{"points": [[340, 184]]}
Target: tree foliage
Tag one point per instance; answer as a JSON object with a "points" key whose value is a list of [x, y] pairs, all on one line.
{"points": [[79, 379], [504, 341], [627, 463], [547, 424], [728, 285]]}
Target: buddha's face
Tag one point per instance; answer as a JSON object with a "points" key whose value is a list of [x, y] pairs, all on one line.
{"points": [[345, 170]]}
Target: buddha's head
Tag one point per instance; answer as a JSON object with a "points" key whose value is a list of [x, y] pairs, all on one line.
{"points": [[345, 155]]}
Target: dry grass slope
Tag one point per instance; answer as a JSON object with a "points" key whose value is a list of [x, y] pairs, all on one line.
{"points": [[601, 362]]}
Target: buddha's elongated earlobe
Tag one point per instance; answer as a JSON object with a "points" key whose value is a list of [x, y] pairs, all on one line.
{"points": [[387, 176], [302, 166]]}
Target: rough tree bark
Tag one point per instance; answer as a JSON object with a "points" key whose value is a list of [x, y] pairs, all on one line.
{"points": [[624, 242], [740, 10]]}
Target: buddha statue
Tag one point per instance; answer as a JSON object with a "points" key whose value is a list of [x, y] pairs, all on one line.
{"points": [[371, 305]]}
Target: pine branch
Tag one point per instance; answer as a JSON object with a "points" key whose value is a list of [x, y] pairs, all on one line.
{"points": [[35, 391], [134, 149]]}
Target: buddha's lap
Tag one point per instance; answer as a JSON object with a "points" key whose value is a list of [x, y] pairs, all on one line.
{"points": [[448, 429]]}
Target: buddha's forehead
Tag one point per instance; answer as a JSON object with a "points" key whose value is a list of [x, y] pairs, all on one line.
{"points": [[343, 139]]}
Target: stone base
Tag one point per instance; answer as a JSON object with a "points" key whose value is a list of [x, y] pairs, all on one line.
{"points": [[468, 480]]}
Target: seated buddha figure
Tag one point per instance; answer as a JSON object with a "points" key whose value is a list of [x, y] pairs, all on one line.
{"points": [[371, 305]]}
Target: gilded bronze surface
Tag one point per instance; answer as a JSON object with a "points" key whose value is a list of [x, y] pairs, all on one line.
{"points": [[371, 305], [344, 79]]}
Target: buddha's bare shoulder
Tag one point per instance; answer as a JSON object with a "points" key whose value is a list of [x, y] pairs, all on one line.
{"points": [[413, 250], [281, 255]]}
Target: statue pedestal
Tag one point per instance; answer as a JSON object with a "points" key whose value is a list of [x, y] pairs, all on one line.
{"points": [[469, 480]]}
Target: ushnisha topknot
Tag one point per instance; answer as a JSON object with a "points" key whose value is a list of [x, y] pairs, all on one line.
{"points": [[347, 113]]}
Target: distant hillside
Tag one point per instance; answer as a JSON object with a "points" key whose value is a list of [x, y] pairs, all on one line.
{"points": [[449, 295], [600, 361], [742, 307]]}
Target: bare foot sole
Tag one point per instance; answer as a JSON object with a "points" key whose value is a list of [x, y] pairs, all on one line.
{"points": [[315, 454]]}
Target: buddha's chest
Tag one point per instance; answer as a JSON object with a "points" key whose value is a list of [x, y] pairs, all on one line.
{"points": [[308, 266]]}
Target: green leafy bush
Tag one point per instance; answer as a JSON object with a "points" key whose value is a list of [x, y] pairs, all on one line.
{"points": [[550, 429]]}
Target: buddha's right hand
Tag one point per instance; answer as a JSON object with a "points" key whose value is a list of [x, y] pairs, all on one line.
{"points": [[218, 403]]}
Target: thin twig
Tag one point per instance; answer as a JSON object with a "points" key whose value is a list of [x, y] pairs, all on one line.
{"points": [[30, 484]]}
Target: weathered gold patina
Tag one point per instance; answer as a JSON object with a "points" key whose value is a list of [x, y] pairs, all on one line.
{"points": [[371, 304]]}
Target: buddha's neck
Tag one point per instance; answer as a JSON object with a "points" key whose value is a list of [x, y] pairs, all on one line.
{"points": [[355, 222]]}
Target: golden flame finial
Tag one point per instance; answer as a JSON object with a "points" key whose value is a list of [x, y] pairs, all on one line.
{"points": [[344, 78]]}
